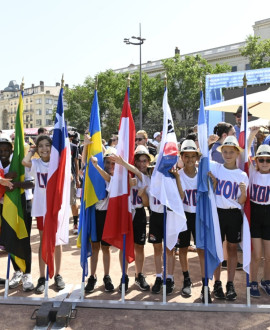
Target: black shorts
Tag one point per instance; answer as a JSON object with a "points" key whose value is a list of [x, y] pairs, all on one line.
{"points": [[230, 222], [100, 221], [156, 228], [260, 221], [139, 226], [185, 236]]}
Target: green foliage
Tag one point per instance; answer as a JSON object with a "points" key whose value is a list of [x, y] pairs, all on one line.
{"points": [[257, 52]]}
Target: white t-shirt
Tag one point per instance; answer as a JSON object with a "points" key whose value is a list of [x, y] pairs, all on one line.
{"points": [[136, 201], [189, 186], [259, 186], [227, 191], [102, 205], [6, 169], [39, 171]]}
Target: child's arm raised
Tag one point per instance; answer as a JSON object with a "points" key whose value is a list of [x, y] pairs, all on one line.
{"points": [[27, 159], [175, 172], [106, 176], [119, 160]]}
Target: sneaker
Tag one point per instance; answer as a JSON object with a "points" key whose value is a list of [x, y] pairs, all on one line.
{"points": [[75, 229], [254, 290], [218, 291], [224, 264], [27, 282], [59, 283], [126, 284], [186, 290], [230, 294], [202, 296], [156, 288], [16, 279], [91, 284], [2, 281], [239, 266], [40, 285], [108, 283], [141, 282], [265, 285], [169, 286]]}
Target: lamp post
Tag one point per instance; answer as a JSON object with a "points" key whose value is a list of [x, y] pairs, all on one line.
{"points": [[139, 43]]}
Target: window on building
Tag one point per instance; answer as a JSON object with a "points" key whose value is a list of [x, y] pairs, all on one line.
{"points": [[48, 101], [247, 66], [234, 68], [26, 100], [38, 101], [38, 122], [39, 112], [48, 122], [48, 111]]}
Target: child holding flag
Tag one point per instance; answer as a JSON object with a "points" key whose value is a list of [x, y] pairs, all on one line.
{"points": [[38, 168], [231, 194]]}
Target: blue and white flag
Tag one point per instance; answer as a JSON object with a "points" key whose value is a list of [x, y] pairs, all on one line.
{"points": [[208, 235], [163, 184]]}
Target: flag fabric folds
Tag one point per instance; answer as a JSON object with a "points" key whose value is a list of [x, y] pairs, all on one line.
{"points": [[246, 241], [163, 184], [14, 228], [208, 235], [56, 224], [119, 218], [93, 188]]}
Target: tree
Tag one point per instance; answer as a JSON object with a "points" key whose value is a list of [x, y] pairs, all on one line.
{"points": [[257, 52]]}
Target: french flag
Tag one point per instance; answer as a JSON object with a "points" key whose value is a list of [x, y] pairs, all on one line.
{"points": [[246, 241], [119, 217], [56, 224]]}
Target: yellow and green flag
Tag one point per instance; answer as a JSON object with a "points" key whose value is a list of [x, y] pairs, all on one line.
{"points": [[14, 231]]}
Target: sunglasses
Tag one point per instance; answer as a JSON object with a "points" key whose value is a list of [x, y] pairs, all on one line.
{"points": [[262, 160], [139, 139]]}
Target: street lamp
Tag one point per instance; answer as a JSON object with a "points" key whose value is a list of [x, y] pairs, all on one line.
{"points": [[139, 43]]}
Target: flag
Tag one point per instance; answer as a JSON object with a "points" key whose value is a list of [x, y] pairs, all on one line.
{"points": [[163, 184], [119, 218], [56, 224], [208, 235], [93, 188], [14, 232], [246, 241]]}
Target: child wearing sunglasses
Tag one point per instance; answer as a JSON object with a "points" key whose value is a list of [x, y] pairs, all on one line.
{"points": [[259, 178]]}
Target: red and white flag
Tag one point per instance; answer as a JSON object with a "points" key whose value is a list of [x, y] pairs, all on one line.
{"points": [[119, 218], [56, 224], [246, 240]]}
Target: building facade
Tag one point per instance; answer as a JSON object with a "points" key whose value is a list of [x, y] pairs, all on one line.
{"points": [[39, 102]]}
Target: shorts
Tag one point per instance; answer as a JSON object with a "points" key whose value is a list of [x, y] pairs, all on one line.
{"points": [[139, 226], [156, 227], [40, 223], [73, 191], [100, 221], [230, 222], [185, 236], [260, 221]]}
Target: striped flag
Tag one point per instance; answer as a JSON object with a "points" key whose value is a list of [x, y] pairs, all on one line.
{"points": [[208, 235], [14, 232], [246, 240], [93, 188], [56, 224], [119, 218]]}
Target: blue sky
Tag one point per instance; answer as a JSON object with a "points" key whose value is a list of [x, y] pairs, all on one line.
{"points": [[40, 40]]}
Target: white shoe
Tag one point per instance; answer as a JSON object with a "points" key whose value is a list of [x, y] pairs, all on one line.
{"points": [[16, 280], [27, 282]]}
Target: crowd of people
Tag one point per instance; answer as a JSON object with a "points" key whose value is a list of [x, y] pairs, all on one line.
{"points": [[230, 186]]}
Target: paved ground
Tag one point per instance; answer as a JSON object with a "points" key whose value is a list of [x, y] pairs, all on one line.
{"points": [[19, 316]]}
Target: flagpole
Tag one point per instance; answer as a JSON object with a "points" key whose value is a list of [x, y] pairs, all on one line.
{"points": [[7, 277], [245, 130], [46, 284]]}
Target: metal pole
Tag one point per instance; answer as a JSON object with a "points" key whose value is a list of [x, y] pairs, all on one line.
{"points": [[140, 80]]}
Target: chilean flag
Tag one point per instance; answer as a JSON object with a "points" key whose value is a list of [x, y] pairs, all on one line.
{"points": [[56, 224], [119, 218], [246, 241]]}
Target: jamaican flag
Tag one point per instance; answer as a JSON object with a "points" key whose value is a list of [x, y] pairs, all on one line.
{"points": [[14, 234]]}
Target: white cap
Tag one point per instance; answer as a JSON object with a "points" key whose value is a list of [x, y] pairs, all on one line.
{"points": [[156, 134]]}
